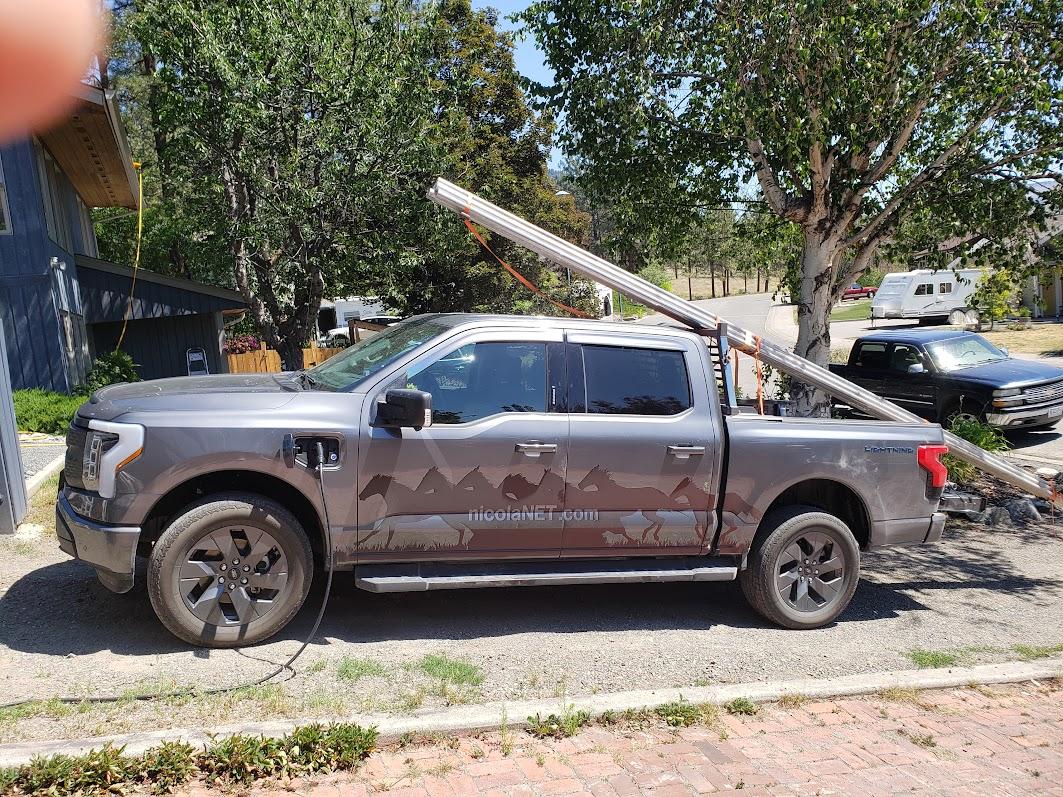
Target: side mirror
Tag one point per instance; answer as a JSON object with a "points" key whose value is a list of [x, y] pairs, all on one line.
{"points": [[1006, 352], [916, 368], [405, 408]]}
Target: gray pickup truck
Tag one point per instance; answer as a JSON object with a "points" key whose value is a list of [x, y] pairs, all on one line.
{"points": [[457, 451]]}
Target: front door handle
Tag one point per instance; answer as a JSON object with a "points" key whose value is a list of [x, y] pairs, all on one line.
{"points": [[685, 451], [534, 448]]}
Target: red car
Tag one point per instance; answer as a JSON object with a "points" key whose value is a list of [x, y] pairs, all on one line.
{"points": [[856, 291]]}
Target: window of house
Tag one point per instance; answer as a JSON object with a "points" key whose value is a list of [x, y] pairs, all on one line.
{"points": [[871, 355], [925, 289], [5, 211], [635, 381], [55, 212], [945, 287], [483, 379]]}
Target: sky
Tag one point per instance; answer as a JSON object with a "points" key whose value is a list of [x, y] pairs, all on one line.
{"points": [[528, 58]]}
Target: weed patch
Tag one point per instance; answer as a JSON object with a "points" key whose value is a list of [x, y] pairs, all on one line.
{"points": [[742, 705], [558, 727], [793, 700], [235, 760], [352, 669], [453, 671], [924, 740], [1031, 652], [924, 659]]}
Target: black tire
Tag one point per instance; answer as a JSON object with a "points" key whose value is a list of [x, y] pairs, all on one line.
{"points": [[762, 580], [961, 409], [211, 606]]}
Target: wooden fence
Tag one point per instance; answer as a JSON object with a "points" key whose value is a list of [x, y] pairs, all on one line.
{"points": [[269, 361]]}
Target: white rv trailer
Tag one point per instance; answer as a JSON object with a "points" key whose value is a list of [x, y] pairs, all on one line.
{"points": [[944, 294]]}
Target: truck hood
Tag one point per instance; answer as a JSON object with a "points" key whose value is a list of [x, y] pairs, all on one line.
{"points": [[1009, 373], [246, 392]]}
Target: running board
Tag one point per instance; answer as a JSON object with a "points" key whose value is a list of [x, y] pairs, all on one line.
{"points": [[472, 575]]}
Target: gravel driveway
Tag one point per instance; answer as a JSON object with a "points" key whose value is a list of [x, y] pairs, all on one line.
{"points": [[976, 594]]}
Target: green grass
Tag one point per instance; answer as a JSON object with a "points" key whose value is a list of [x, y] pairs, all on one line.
{"points": [[451, 671], [1031, 652], [352, 669], [53, 709], [925, 659], [857, 310]]}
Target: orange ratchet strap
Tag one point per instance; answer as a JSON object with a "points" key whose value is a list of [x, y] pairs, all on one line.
{"points": [[520, 277], [760, 379]]}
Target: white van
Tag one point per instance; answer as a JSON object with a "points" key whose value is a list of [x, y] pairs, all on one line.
{"points": [[944, 294]]}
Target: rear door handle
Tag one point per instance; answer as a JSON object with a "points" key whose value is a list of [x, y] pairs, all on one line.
{"points": [[534, 448], [685, 452]]}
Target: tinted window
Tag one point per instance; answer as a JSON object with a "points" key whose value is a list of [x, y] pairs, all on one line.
{"points": [[904, 356], [926, 289], [482, 379], [871, 355], [635, 381], [945, 287]]}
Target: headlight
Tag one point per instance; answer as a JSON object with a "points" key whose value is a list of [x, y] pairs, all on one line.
{"points": [[109, 448], [1007, 397]]}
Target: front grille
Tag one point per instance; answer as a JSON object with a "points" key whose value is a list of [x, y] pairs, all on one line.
{"points": [[76, 438], [1042, 393]]}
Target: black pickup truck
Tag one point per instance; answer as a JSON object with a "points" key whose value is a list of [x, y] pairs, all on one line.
{"points": [[946, 374]]}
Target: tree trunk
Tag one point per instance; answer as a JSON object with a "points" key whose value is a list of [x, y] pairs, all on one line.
{"points": [[758, 280], [290, 349], [690, 288], [712, 277], [813, 319], [745, 282]]}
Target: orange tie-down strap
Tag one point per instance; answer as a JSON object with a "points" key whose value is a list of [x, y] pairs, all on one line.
{"points": [[527, 283]]}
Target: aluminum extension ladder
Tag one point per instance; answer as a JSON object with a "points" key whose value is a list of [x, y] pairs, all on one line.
{"points": [[560, 251]]}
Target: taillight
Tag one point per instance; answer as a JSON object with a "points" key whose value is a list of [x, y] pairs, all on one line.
{"points": [[929, 458]]}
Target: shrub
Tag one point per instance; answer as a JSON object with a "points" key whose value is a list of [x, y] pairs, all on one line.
{"points": [[657, 275], [558, 727], [110, 369], [982, 435], [241, 344], [44, 411], [742, 705]]}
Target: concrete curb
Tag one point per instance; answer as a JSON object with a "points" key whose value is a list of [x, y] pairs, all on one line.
{"points": [[37, 480], [489, 716]]}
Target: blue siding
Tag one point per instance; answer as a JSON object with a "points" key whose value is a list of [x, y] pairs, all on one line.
{"points": [[31, 325]]}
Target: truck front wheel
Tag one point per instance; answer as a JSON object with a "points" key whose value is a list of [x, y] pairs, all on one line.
{"points": [[803, 571], [231, 570]]}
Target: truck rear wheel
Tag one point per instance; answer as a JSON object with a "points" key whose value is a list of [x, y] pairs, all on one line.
{"points": [[803, 572], [231, 570]]}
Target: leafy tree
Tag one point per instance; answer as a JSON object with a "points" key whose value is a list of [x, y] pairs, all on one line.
{"points": [[850, 117], [993, 295], [491, 141], [306, 125]]}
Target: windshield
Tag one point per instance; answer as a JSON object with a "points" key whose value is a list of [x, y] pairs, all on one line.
{"points": [[963, 352], [366, 358]]}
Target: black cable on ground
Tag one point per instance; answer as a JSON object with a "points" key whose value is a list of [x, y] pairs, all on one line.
{"points": [[190, 692]]}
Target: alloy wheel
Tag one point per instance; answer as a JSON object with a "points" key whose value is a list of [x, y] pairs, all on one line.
{"points": [[233, 575], [810, 573]]}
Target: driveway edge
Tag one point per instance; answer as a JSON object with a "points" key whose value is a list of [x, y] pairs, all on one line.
{"points": [[37, 480], [490, 716]]}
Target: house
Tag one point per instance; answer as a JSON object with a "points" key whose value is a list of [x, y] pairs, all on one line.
{"points": [[60, 304]]}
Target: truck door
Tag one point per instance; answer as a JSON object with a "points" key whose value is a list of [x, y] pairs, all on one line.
{"points": [[869, 365], [916, 392], [642, 459], [488, 476]]}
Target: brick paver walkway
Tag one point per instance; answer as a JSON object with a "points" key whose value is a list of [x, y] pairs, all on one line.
{"points": [[973, 741]]}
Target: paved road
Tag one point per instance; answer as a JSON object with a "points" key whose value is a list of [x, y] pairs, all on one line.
{"points": [[1003, 740]]}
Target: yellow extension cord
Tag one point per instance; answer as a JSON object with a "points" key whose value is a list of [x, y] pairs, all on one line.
{"points": [[136, 256]]}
